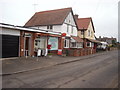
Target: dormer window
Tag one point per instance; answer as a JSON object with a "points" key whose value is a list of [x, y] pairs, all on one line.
{"points": [[50, 27]]}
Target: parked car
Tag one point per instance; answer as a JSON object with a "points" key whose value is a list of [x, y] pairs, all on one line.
{"points": [[102, 46]]}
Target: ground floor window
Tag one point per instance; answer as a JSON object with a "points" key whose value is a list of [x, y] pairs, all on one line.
{"points": [[88, 44], [66, 43], [53, 41], [92, 44], [40, 43], [80, 45], [73, 44], [76, 45]]}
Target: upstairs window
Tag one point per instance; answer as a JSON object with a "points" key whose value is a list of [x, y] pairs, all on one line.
{"points": [[50, 27], [89, 33], [69, 21], [82, 32], [92, 33]]}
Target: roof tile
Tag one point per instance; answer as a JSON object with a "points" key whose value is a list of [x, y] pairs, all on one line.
{"points": [[51, 17]]}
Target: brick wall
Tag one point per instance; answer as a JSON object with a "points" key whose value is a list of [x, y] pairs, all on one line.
{"points": [[53, 51], [22, 43], [79, 52]]}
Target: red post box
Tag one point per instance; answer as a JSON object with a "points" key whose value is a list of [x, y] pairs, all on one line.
{"points": [[49, 46]]}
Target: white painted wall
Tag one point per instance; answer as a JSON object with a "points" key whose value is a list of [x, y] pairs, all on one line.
{"points": [[40, 27], [57, 28], [70, 20], [63, 28], [69, 33], [6, 31], [71, 23]]}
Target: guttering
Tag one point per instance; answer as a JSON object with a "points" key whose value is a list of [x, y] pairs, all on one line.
{"points": [[28, 29]]}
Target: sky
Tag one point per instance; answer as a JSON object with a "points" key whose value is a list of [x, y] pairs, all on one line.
{"points": [[103, 12]]}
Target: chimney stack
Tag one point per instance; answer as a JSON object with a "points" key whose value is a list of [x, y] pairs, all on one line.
{"points": [[76, 16]]}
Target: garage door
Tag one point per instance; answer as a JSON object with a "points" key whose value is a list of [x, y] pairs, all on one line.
{"points": [[10, 46]]}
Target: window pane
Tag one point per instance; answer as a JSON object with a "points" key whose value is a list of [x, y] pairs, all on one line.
{"points": [[65, 43], [47, 27], [51, 27]]}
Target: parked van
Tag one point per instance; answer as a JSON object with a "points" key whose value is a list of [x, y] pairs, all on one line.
{"points": [[102, 46]]}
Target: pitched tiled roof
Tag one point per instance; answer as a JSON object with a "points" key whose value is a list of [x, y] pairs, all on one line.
{"points": [[92, 40], [78, 39], [106, 38], [52, 17], [83, 23]]}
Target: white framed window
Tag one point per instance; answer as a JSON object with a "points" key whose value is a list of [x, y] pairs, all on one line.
{"points": [[91, 33], [92, 44], [50, 27], [88, 44], [66, 43], [73, 44], [76, 45], [80, 45]]}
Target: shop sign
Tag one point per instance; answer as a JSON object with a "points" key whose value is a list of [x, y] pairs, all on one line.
{"points": [[27, 34]]}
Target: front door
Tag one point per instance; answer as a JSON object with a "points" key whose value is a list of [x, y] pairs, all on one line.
{"points": [[27, 46]]}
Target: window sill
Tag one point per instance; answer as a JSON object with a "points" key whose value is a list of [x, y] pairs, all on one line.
{"points": [[66, 47]]}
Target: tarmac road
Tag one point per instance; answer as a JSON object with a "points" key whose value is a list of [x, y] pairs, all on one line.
{"points": [[97, 72]]}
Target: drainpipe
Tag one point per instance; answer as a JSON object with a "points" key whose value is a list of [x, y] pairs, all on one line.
{"points": [[84, 43]]}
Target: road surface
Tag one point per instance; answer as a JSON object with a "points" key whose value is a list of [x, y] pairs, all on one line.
{"points": [[96, 72]]}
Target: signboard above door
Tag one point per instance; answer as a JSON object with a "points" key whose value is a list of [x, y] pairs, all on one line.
{"points": [[28, 35]]}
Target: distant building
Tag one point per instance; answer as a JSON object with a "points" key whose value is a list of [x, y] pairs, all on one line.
{"points": [[110, 41]]}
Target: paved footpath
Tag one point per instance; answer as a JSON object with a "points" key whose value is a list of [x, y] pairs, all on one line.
{"points": [[22, 64], [94, 71]]}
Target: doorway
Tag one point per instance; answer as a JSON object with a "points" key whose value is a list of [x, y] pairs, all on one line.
{"points": [[27, 46], [40, 44]]}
